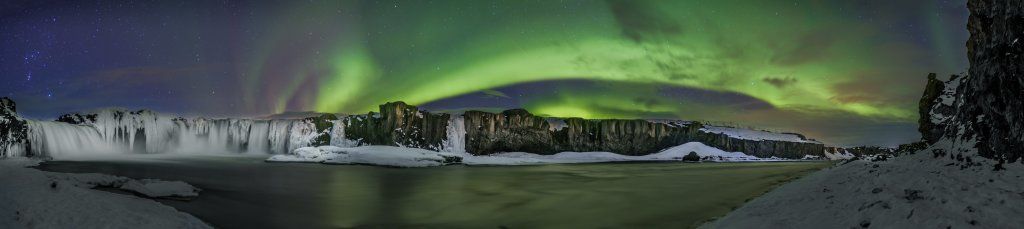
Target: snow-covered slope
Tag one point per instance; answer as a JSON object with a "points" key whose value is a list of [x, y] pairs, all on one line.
{"points": [[413, 157], [927, 189], [30, 198]]}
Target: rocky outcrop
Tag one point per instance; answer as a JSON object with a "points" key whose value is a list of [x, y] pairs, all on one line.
{"points": [[929, 131], [519, 131], [324, 125], [398, 124], [990, 101], [13, 130]]}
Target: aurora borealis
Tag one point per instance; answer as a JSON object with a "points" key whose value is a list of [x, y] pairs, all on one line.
{"points": [[845, 72]]}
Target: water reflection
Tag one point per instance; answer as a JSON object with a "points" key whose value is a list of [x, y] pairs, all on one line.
{"points": [[243, 192]]}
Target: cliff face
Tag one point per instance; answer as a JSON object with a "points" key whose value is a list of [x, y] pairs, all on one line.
{"points": [[990, 103], [13, 130], [519, 131], [398, 124]]}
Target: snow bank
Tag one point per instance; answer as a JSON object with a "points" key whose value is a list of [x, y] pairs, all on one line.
{"points": [[756, 135], [370, 155], [30, 198], [413, 157], [841, 155], [926, 189]]}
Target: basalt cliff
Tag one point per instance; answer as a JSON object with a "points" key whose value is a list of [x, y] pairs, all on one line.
{"points": [[395, 124]]}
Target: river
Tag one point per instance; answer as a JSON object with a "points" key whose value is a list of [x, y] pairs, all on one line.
{"points": [[245, 192]]}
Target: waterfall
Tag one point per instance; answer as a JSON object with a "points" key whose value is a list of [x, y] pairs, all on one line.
{"points": [[118, 131], [456, 142], [259, 138], [338, 134], [61, 139]]}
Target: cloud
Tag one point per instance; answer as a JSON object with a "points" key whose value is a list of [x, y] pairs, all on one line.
{"points": [[779, 82], [640, 22]]}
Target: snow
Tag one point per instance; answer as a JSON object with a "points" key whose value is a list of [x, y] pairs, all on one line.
{"points": [[413, 157], [30, 198], [842, 155], [910, 191], [369, 155], [756, 135]]}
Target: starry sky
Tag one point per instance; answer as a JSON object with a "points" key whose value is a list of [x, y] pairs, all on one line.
{"points": [[844, 72]]}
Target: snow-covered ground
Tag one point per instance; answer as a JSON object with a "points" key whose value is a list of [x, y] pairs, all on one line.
{"points": [[30, 198], [413, 157], [920, 190]]}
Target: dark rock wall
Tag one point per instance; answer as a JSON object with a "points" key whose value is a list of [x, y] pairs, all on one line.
{"points": [[324, 124], [930, 132], [991, 107], [519, 131], [510, 131], [398, 124], [13, 130]]}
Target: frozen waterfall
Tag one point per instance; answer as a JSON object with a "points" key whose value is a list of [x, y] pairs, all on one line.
{"points": [[118, 131], [456, 142]]}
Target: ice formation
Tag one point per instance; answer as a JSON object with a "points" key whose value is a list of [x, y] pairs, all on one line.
{"points": [[118, 131]]}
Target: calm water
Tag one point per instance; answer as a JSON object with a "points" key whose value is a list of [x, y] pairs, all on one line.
{"points": [[241, 192]]}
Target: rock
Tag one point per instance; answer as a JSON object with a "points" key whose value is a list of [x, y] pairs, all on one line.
{"points": [[519, 131], [990, 100], [399, 124], [13, 131], [77, 119], [930, 131], [324, 124], [692, 156]]}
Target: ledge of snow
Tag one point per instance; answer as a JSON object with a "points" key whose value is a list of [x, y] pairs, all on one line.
{"points": [[756, 135], [413, 157]]}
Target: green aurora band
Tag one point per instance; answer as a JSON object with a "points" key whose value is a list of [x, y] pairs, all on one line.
{"points": [[795, 57]]}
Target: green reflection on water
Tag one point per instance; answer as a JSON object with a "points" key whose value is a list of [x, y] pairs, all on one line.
{"points": [[591, 195]]}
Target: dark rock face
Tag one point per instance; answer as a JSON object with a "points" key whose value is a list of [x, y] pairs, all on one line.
{"points": [[991, 103], [13, 130], [929, 131], [399, 124], [509, 131], [519, 131], [76, 118], [324, 124]]}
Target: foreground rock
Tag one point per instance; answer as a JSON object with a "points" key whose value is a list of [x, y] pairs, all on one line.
{"points": [[30, 198]]}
